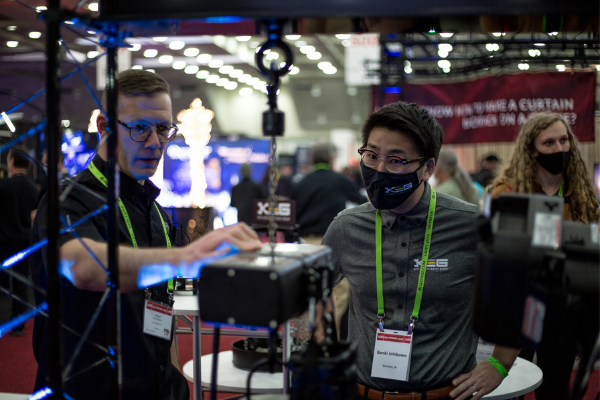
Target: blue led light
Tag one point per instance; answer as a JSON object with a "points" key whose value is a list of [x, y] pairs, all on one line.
{"points": [[21, 319], [391, 89], [41, 394], [223, 20]]}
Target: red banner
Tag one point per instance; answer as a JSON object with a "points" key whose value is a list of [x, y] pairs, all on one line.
{"points": [[492, 109]]}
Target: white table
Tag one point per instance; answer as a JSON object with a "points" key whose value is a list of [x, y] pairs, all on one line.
{"points": [[187, 304], [524, 377], [232, 379]]}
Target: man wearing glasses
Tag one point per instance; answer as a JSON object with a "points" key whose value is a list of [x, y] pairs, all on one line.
{"points": [[410, 257], [145, 126]]}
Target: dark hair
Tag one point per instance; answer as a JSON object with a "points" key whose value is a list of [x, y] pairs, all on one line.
{"points": [[323, 152], [17, 154], [411, 119], [491, 158], [137, 82]]}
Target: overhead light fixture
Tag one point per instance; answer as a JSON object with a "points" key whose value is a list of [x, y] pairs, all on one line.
{"points": [[222, 81], [442, 54], [330, 71], [191, 52], [8, 121], [69, 22], [245, 92], [446, 70], [408, 69], [41, 8], [178, 64], [444, 64], [160, 38], [150, 53], [523, 66], [166, 59], [215, 63], [553, 33], [11, 28], [324, 64], [204, 58], [191, 69], [446, 34], [236, 73], [213, 78], [225, 69], [35, 35], [534, 52], [343, 36], [272, 56], [314, 56], [598, 67], [447, 47], [307, 49], [135, 47], [295, 70], [259, 86], [243, 38], [93, 7], [291, 37], [91, 32], [92, 54], [244, 78], [66, 123], [137, 67], [176, 45], [12, 43], [300, 43], [561, 68], [203, 74], [498, 34], [346, 43], [539, 44], [492, 47], [231, 85]]}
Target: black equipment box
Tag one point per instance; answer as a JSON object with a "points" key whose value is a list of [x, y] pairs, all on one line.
{"points": [[260, 288]]}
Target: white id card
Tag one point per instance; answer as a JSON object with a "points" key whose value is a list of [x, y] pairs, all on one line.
{"points": [[158, 319], [391, 358]]}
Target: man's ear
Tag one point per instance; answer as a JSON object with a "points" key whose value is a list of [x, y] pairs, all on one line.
{"points": [[101, 124], [429, 169]]}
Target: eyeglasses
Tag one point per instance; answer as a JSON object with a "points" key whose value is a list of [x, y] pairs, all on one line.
{"points": [[392, 163], [141, 132]]}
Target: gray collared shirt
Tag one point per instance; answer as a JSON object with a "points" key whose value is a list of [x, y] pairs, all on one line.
{"points": [[444, 344]]}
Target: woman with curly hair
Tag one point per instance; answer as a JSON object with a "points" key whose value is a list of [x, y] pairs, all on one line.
{"points": [[546, 160]]}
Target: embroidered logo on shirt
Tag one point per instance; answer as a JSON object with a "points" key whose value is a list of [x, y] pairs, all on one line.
{"points": [[398, 189], [441, 264]]}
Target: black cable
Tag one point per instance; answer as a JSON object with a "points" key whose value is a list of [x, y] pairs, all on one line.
{"points": [[215, 364]]}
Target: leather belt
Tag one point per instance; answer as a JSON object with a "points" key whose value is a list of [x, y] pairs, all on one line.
{"points": [[435, 394]]}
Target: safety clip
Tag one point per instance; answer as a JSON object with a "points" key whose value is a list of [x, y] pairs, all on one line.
{"points": [[411, 326], [381, 317]]}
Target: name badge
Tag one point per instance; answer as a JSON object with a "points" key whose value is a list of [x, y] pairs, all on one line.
{"points": [[158, 319], [391, 358]]}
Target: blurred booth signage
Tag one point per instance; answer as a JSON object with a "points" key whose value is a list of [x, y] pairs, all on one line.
{"points": [[362, 55], [284, 212], [492, 109]]}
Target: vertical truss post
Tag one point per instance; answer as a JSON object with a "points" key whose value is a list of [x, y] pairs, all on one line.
{"points": [[401, 60], [53, 141], [382, 70], [114, 301]]}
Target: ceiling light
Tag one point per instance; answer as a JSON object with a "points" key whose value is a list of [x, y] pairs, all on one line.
{"points": [[314, 56], [300, 43], [137, 67], [442, 54], [534, 52], [244, 78], [446, 70], [213, 78], [91, 32], [150, 53], [307, 49], [35, 35], [178, 64], [11, 28], [272, 56], [225, 69], [12, 43], [346, 43], [204, 58], [222, 82], [191, 69], [134, 47], [447, 47], [191, 52], [92, 54], [259, 85], [231, 85], [177, 45], [292, 37], [553, 33], [523, 66], [236, 73], [408, 69], [69, 22], [166, 59], [539, 44], [253, 80], [561, 67], [7, 121], [492, 47], [202, 74], [324, 64], [93, 6], [444, 64], [151, 70], [253, 45], [330, 71], [41, 8], [160, 38], [294, 71], [446, 34], [343, 36], [498, 34], [243, 38], [245, 92], [598, 67], [215, 63]]}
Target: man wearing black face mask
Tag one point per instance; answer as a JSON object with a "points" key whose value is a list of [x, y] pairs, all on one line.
{"points": [[413, 332]]}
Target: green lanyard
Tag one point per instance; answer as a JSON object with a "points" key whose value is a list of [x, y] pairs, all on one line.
{"points": [[424, 258], [562, 188], [96, 172]]}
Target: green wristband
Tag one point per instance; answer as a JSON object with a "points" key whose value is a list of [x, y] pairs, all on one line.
{"points": [[498, 365]]}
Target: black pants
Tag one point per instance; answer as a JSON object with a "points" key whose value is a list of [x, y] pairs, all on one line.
{"points": [[19, 289]]}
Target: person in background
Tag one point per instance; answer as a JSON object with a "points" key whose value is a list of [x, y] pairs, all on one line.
{"points": [[18, 198], [42, 179], [244, 193], [487, 172], [454, 180], [546, 160]]}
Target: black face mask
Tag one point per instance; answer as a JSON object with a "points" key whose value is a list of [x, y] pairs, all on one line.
{"points": [[555, 163], [386, 190]]}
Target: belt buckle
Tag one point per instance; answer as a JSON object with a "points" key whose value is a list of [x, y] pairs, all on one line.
{"points": [[386, 393]]}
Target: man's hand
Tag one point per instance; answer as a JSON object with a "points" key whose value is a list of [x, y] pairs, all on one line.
{"points": [[240, 235], [482, 380]]}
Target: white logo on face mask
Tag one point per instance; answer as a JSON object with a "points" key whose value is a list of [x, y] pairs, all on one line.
{"points": [[398, 189]]}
